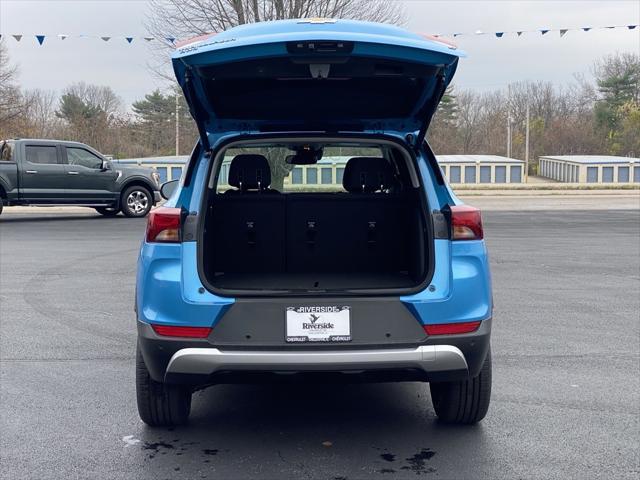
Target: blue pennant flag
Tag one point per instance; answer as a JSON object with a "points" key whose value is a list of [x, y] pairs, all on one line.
{"points": [[586, 29], [170, 39], [544, 31], [40, 39], [499, 34], [631, 27], [129, 39]]}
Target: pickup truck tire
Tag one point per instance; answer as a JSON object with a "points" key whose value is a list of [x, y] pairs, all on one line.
{"points": [[107, 211], [466, 401], [136, 201], [1, 204], [160, 404]]}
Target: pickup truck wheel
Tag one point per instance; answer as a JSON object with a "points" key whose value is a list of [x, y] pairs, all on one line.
{"points": [[466, 401], [1, 204], [136, 201], [160, 404], [107, 212]]}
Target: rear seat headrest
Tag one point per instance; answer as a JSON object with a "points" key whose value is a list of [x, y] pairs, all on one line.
{"points": [[250, 172], [367, 175]]}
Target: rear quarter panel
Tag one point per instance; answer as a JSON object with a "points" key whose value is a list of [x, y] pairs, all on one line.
{"points": [[169, 290], [460, 290], [9, 179]]}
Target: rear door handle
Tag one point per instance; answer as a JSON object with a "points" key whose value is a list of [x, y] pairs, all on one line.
{"points": [[73, 173], [31, 171]]}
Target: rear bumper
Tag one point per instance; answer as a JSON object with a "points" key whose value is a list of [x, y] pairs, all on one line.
{"points": [[198, 362], [207, 361]]}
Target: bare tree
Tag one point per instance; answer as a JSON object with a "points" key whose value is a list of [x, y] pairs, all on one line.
{"points": [[188, 18], [180, 18], [11, 101], [40, 109], [91, 112]]}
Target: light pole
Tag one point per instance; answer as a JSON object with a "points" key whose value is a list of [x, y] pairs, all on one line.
{"points": [[526, 149], [509, 120]]}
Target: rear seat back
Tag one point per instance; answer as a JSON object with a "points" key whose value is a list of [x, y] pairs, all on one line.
{"points": [[360, 231], [364, 230], [249, 225], [344, 233], [249, 233]]}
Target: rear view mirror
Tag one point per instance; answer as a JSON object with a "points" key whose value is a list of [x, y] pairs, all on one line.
{"points": [[167, 188], [304, 157]]}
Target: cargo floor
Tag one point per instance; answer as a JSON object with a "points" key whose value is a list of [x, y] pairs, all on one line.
{"points": [[312, 281]]}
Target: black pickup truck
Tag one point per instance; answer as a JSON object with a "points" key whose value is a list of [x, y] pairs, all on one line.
{"points": [[53, 172]]}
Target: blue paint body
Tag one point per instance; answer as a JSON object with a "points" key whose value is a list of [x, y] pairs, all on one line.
{"points": [[169, 289]]}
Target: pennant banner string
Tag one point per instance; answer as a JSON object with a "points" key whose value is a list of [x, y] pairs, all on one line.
{"points": [[541, 31], [171, 41]]}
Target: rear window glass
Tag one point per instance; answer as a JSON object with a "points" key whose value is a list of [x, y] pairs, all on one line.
{"points": [[324, 176], [6, 151], [42, 154]]}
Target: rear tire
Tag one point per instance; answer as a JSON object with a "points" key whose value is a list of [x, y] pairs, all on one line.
{"points": [[160, 404], [1, 204], [466, 401], [136, 201], [107, 211]]}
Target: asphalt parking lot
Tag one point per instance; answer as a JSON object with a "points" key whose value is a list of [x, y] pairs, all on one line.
{"points": [[566, 391]]}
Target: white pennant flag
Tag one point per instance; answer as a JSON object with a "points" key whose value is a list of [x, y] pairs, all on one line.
{"points": [[62, 36], [563, 31], [106, 39], [17, 37], [148, 39]]}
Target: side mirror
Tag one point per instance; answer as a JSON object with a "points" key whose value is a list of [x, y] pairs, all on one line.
{"points": [[105, 165], [167, 188]]}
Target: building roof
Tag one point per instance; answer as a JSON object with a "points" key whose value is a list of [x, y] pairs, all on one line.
{"points": [[340, 160], [172, 159], [477, 159], [591, 159]]}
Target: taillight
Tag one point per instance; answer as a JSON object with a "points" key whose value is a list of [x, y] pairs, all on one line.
{"points": [[451, 328], [186, 332], [164, 225], [466, 223]]}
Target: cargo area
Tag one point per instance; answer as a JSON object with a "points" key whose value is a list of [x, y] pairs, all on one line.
{"points": [[369, 236]]}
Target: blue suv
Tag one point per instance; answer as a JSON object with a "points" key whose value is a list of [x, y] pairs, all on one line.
{"points": [[312, 234]]}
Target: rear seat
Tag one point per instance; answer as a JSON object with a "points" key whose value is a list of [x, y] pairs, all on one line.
{"points": [[364, 230], [360, 231], [252, 219]]}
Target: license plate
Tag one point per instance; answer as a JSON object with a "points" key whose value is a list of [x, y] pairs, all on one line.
{"points": [[318, 324]]}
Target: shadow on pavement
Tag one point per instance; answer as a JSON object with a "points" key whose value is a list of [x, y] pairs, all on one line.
{"points": [[52, 217], [314, 431]]}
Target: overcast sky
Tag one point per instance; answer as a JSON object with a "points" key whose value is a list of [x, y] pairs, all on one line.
{"points": [[492, 62]]}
